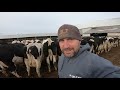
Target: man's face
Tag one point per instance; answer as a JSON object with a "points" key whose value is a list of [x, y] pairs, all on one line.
{"points": [[69, 46]]}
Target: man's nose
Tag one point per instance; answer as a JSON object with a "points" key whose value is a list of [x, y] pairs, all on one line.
{"points": [[66, 44]]}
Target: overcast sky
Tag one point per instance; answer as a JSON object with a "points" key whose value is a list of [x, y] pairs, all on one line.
{"points": [[46, 22]]}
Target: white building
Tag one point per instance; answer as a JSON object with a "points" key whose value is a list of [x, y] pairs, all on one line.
{"points": [[110, 26]]}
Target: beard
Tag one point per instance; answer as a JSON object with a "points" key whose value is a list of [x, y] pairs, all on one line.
{"points": [[69, 52]]}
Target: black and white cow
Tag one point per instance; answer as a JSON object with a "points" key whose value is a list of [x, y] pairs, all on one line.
{"points": [[51, 51], [90, 41], [34, 54], [7, 52], [98, 44]]}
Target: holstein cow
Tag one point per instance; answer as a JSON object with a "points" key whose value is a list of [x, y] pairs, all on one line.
{"points": [[90, 41], [34, 54], [108, 44], [50, 52], [7, 52], [97, 44], [116, 42], [15, 41]]}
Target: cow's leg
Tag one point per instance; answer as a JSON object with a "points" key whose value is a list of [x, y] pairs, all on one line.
{"points": [[3, 69], [16, 74], [109, 47], [12, 69], [91, 49], [54, 62], [38, 65], [3, 65], [48, 64], [27, 66]]}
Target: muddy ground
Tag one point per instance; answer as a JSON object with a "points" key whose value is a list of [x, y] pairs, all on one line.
{"points": [[113, 56]]}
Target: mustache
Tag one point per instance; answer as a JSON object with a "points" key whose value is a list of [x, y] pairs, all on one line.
{"points": [[66, 49]]}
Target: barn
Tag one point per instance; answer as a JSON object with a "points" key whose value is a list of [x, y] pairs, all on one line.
{"points": [[9, 38], [109, 27], [104, 31]]}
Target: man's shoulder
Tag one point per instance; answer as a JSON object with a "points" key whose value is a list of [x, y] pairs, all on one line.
{"points": [[96, 59], [91, 56]]}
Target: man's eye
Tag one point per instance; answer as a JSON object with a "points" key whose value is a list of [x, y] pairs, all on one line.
{"points": [[61, 40]]}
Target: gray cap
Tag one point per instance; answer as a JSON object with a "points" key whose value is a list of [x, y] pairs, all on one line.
{"points": [[68, 31]]}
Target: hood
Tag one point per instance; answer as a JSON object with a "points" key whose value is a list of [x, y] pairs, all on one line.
{"points": [[84, 47]]}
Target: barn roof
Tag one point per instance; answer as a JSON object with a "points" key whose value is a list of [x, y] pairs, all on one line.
{"points": [[27, 35], [99, 23], [104, 29]]}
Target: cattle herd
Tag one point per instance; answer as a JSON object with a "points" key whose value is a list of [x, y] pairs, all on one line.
{"points": [[33, 53], [101, 44]]}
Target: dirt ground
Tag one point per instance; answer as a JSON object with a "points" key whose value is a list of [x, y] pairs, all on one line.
{"points": [[113, 56]]}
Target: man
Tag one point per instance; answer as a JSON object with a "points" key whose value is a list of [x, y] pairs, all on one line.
{"points": [[77, 62]]}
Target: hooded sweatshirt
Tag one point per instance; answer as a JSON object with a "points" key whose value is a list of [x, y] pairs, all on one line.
{"points": [[86, 65]]}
